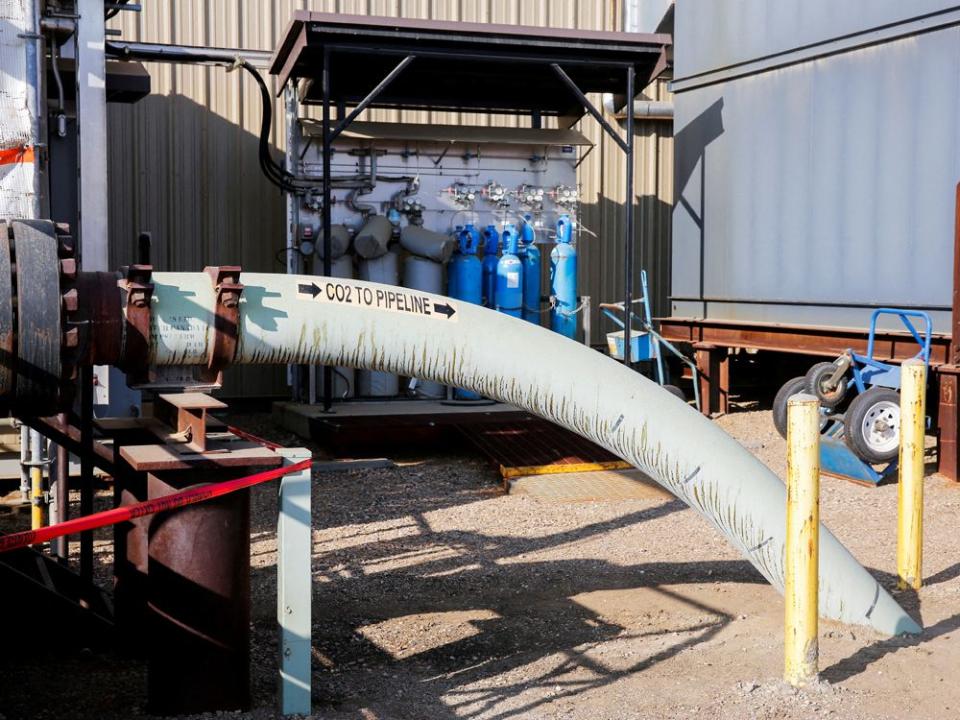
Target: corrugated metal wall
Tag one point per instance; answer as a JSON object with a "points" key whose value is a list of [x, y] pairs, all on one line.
{"points": [[806, 195], [183, 162]]}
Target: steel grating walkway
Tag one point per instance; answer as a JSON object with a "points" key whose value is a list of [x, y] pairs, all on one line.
{"points": [[531, 446]]}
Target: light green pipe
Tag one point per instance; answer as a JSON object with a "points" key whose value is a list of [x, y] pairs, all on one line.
{"points": [[314, 320]]}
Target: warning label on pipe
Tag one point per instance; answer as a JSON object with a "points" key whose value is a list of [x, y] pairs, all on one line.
{"points": [[400, 300]]}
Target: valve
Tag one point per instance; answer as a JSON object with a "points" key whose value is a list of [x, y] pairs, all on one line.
{"points": [[531, 197], [496, 194], [411, 207], [462, 194], [566, 196]]}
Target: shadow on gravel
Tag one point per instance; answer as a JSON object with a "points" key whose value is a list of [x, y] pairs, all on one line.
{"points": [[865, 656], [529, 617], [909, 600]]}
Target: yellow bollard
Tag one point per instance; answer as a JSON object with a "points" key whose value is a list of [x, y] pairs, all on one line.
{"points": [[801, 594], [913, 418], [38, 509]]}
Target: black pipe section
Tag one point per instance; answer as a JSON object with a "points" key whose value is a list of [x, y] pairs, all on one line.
{"points": [[61, 547], [327, 210], [629, 240], [86, 468]]}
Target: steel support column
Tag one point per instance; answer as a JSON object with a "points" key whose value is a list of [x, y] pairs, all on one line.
{"points": [[294, 585], [327, 210], [723, 381], [628, 241], [713, 393], [946, 380], [92, 135]]}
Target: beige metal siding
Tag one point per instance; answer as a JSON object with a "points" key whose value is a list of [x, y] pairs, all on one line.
{"points": [[183, 162]]}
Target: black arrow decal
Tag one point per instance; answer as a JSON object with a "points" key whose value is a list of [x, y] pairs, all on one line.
{"points": [[444, 310], [312, 290]]}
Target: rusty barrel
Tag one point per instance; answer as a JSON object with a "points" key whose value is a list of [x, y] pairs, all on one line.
{"points": [[198, 600]]}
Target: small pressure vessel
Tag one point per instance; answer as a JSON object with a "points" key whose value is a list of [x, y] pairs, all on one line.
{"points": [[465, 275], [530, 259], [563, 280], [426, 275], [384, 269], [509, 291]]}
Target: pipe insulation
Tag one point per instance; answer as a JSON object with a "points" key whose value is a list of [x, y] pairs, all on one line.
{"points": [[642, 109], [326, 321]]}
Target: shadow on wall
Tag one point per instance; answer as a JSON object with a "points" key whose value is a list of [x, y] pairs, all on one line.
{"points": [[602, 258], [191, 177], [691, 143]]}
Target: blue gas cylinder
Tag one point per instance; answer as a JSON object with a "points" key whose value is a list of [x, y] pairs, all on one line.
{"points": [[464, 270], [530, 259], [509, 292], [465, 281], [563, 280], [491, 249]]}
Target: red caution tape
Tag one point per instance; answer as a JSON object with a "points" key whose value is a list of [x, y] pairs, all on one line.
{"points": [[252, 438], [148, 507]]}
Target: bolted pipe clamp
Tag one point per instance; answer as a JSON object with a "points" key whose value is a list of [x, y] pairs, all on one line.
{"points": [[228, 289], [137, 289]]}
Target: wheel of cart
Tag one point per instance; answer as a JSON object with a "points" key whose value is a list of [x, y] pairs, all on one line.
{"points": [[646, 342], [860, 401]]}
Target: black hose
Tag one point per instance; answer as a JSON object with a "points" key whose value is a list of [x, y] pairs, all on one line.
{"points": [[278, 175]]}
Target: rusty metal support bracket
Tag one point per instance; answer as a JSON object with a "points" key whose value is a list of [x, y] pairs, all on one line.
{"points": [[187, 414], [137, 289], [228, 289]]}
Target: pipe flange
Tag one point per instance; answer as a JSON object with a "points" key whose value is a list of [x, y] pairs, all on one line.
{"points": [[40, 386], [69, 304], [228, 289]]}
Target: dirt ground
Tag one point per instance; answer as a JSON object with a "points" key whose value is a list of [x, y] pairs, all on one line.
{"points": [[438, 596]]}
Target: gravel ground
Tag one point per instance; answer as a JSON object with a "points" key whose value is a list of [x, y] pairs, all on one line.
{"points": [[437, 596]]}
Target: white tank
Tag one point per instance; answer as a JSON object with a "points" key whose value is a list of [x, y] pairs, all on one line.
{"points": [[384, 269], [427, 275]]}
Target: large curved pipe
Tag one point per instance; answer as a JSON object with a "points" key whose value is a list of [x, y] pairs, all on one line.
{"points": [[315, 320]]}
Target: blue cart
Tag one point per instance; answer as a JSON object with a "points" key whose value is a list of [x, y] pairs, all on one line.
{"points": [[646, 343], [860, 402]]}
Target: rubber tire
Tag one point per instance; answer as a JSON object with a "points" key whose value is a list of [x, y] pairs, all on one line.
{"points": [[789, 388], [815, 376], [853, 423], [675, 391]]}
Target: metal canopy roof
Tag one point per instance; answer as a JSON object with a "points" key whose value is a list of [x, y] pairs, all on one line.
{"points": [[412, 132], [461, 66]]}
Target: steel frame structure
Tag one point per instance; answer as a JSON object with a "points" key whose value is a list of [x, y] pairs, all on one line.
{"points": [[497, 50]]}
